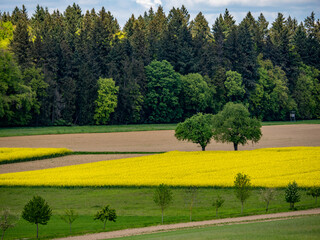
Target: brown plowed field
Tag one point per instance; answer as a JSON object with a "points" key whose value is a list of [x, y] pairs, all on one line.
{"points": [[154, 141]]}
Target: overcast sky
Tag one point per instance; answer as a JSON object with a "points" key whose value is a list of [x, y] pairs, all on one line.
{"points": [[122, 9]]}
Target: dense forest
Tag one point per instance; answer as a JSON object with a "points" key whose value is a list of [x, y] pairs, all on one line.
{"points": [[82, 68]]}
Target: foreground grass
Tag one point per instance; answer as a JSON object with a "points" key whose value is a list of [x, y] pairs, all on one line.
{"points": [[298, 228], [25, 131], [134, 206]]}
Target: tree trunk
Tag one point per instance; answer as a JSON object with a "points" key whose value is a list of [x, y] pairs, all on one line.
{"points": [[104, 225], [216, 212], [235, 146], [70, 227], [292, 205], [241, 208], [162, 216], [190, 214], [203, 148], [267, 207], [37, 230], [2, 235], [316, 199]]}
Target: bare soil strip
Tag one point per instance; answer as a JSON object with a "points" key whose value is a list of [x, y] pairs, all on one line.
{"points": [[61, 162], [153, 229], [162, 141]]}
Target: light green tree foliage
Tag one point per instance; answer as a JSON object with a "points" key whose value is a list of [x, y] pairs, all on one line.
{"points": [[267, 195], [307, 92], [196, 96], [242, 188], [234, 87], [37, 211], [292, 194], [107, 100], [106, 214], [6, 34], [16, 99], [197, 129], [234, 124], [163, 89], [7, 220], [162, 197], [314, 192], [271, 99], [69, 217], [217, 203]]}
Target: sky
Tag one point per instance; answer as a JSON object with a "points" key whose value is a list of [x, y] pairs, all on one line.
{"points": [[123, 9]]}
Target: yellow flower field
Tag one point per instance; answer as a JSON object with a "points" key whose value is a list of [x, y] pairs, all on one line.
{"points": [[15, 154], [274, 167]]}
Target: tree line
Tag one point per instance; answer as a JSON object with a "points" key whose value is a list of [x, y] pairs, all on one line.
{"points": [[165, 68]]}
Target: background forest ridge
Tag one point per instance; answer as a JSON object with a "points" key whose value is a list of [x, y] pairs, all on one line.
{"points": [[165, 67]]}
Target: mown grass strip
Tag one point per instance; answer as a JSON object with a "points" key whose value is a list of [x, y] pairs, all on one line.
{"points": [[26, 131]]}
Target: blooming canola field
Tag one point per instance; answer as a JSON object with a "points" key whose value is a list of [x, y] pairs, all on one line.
{"points": [[8, 155], [273, 167]]}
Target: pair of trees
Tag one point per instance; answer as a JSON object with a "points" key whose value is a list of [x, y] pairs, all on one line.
{"points": [[232, 124]]}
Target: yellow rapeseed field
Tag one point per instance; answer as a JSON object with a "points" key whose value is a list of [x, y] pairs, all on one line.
{"points": [[15, 154], [273, 167]]}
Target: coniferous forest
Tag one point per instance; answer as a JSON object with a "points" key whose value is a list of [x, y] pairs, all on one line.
{"points": [[72, 67]]}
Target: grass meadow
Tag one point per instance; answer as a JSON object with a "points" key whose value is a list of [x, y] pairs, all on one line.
{"points": [[134, 207]]}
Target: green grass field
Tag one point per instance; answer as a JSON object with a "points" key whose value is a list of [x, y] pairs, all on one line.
{"points": [[134, 206], [302, 228], [25, 131]]}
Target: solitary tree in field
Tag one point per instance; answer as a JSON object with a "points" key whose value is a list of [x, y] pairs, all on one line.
{"points": [[37, 211], [233, 124], [314, 192], [7, 220], [267, 195], [162, 197], [197, 129], [217, 203], [242, 187], [191, 198], [69, 217], [292, 194], [106, 214]]}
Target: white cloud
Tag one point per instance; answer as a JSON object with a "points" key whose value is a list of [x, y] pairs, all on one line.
{"points": [[221, 3], [149, 3]]}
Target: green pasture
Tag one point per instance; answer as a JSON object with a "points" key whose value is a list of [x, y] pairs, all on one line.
{"points": [[134, 206], [302, 228], [25, 131]]}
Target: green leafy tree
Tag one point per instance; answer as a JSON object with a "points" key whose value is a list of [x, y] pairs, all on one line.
{"points": [[233, 124], [162, 197], [106, 214], [69, 217], [107, 100], [233, 84], [196, 95], [292, 194], [197, 129], [242, 188], [190, 198], [314, 192], [37, 211], [267, 195], [217, 203], [163, 89], [7, 220]]}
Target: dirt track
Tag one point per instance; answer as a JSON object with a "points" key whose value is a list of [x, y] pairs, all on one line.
{"points": [[146, 230], [273, 136]]}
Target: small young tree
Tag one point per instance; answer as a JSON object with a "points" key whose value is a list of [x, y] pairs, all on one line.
{"points": [[314, 192], [197, 129], [292, 194], [7, 220], [267, 195], [191, 198], [162, 197], [242, 187], [106, 214], [37, 211], [217, 203], [69, 217]]}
